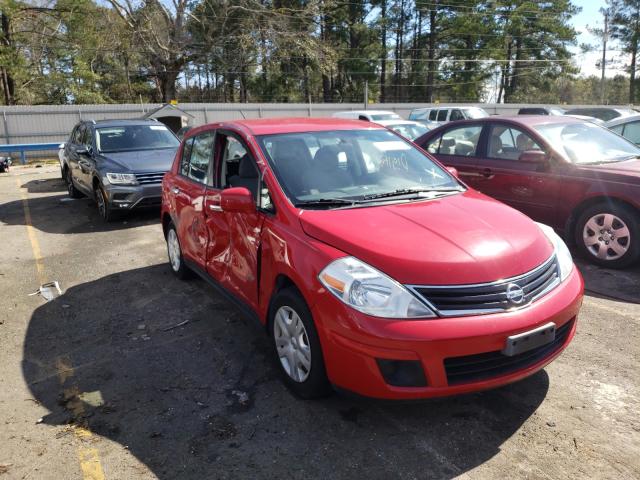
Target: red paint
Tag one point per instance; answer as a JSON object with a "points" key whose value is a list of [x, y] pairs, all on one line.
{"points": [[459, 239]]}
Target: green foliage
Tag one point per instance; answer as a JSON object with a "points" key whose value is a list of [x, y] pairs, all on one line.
{"points": [[85, 51]]}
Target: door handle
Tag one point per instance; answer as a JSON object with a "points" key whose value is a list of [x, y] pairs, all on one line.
{"points": [[175, 190], [215, 208], [487, 173]]}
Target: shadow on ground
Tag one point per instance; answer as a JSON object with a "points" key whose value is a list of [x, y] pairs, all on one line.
{"points": [[601, 282], [79, 215], [203, 400], [47, 185]]}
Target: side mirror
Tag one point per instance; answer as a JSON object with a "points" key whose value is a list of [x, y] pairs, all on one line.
{"points": [[453, 171], [533, 156], [237, 200], [87, 151]]}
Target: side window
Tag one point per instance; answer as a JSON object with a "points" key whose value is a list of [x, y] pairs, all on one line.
{"points": [[239, 169], [456, 115], [434, 145], [432, 115], [201, 154], [79, 133], [617, 129], [74, 135], [186, 154], [461, 141], [632, 132], [508, 143], [86, 137], [442, 115]]}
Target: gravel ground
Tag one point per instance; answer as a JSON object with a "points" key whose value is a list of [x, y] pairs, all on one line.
{"points": [[101, 382]]}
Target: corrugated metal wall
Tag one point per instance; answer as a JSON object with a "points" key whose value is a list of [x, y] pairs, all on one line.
{"points": [[53, 123]]}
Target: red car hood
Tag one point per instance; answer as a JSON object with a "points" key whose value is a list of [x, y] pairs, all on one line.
{"points": [[628, 167], [459, 239]]}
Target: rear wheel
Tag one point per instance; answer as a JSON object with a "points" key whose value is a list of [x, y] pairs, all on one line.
{"points": [[71, 189], [296, 345], [174, 251], [608, 235]]}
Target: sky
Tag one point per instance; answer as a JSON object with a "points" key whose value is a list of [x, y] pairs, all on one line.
{"points": [[591, 16]]}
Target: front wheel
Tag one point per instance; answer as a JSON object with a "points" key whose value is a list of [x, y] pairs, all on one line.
{"points": [[296, 345], [607, 235], [104, 207]]}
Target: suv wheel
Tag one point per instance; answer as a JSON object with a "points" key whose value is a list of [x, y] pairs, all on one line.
{"points": [[608, 235], [296, 345], [176, 261], [71, 189], [104, 208]]}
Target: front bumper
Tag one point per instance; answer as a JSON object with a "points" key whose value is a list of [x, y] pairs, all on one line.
{"points": [[354, 343], [128, 197]]}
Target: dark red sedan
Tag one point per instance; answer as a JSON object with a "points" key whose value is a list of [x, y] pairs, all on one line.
{"points": [[577, 177]]}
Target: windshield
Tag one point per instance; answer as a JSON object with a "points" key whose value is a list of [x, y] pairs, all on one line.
{"points": [[587, 142], [351, 165], [134, 137], [476, 112], [409, 130], [384, 116]]}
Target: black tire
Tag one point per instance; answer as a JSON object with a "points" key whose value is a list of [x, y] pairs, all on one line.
{"points": [[181, 270], [316, 384], [71, 189], [104, 207], [584, 235]]}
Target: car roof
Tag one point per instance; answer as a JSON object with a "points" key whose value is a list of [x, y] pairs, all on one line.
{"points": [[623, 119], [271, 126], [123, 123], [528, 120], [392, 123]]}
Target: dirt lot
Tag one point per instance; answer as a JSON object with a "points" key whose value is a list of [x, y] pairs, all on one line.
{"points": [[100, 383]]}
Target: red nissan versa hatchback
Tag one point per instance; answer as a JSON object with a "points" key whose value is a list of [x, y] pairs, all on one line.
{"points": [[372, 267]]}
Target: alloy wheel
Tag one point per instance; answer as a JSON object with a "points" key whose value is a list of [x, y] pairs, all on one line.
{"points": [[606, 236], [292, 344], [102, 206], [173, 248]]}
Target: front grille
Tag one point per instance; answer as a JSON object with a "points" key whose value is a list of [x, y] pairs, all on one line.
{"points": [[495, 297], [150, 177], [483, 366]]}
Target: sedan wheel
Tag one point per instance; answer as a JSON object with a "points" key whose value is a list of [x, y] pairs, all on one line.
{"points": [[296, 345], [607, 234], [292, 343]]}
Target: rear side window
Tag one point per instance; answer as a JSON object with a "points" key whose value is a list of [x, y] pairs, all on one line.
{"points": [[442, 115], [617, 129], [432, 115], [632, 132], [196, 167], [456, 115], [461, 141], [186, 153], [508, 143]]}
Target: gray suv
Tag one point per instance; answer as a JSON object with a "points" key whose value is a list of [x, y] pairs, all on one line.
{"points": [[119, 163]]}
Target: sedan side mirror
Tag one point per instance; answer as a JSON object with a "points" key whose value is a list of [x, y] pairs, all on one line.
{"points": [[533, 156], [237, 200], [453, 171]]}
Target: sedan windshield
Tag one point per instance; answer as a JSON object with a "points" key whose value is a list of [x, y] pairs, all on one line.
{"points": [[586, 142], [409, 130], [342, 168], [476, 112], [384, 116], [135, 137]]}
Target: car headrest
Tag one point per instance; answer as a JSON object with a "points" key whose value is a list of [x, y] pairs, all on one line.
{"points": [[326, 158], [246, 168], [288, 149], [448, 143]]}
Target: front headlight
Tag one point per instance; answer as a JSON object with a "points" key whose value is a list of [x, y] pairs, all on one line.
{"points": [[370, 291], [563, 254], [122, 178]]}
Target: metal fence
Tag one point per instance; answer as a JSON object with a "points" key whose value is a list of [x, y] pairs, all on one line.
{"points": [[53, 123]]}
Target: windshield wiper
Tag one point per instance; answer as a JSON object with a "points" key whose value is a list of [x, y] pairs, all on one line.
{"points": [[408, 191], [326, 202]]}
